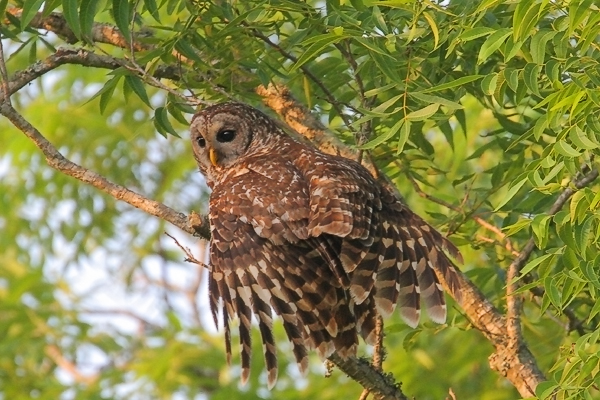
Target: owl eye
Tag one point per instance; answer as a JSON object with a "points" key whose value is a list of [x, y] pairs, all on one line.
{"points": [[201, 142], [226, 135]]}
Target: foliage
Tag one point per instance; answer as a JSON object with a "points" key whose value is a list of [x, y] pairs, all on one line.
{"points": [[489, 108]]}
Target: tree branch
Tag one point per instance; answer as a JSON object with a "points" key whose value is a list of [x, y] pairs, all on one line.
{"points": [[514, 301], [101, 32], [81, 57], [280, 99], [60, 163], [382, 386], [330, 97], [54, 353]]}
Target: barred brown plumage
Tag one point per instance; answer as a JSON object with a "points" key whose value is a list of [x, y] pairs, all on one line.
{"points": [[311, 236]]}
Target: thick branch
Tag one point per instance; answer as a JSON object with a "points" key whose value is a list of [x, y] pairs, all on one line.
{"points": [[60, 163], [81, 57], [512, 360], [380, 385], [308, 73], [101, 33], [280, 99]]}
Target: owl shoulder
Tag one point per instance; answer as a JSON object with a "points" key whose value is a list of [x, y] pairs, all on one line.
{"points": [[262, 186]]}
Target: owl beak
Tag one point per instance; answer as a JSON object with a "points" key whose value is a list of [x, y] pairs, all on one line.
{"points": [[212, 154]]}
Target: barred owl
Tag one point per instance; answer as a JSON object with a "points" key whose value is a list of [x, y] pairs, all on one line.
{"points": [[313, 237]]}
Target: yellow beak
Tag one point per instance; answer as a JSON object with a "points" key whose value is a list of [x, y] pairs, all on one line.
{"points": [[212, 154]]}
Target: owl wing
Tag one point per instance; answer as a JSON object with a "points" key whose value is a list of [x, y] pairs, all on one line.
{"points": [[387, 250], [263, 258]]}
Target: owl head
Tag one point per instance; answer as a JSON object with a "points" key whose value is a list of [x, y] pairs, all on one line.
{"points": [[223, 135]]}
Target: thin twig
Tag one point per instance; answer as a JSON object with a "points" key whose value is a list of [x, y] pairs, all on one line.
{"points": [[330, 97], [502, 237], [59, 359], [514, 301], [4, 75], [189, 257], [378, 352], [366, 128], [126, 313], [378, 349]]}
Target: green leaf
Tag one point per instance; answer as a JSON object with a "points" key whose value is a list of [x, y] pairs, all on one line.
{"points": [[574, 206], [381, 89], [531, 73], [578, 11], [152, 9], [492, 43], [136, 84], [184, 47], [553, 293], [106, 93], [448, 132], [595, 201], [70, 14], [87, 13], [512, 78], [50, 6], [555, 170], [423, 113], [3, 4], [316, 47], [581, 140], [538, 45], [475, 33], [516, 227], [511, 48], [404, 133], [161, 121], [583, 233], [452, 84], [540, 126], [387, 65], [589, 271], [511, 193], [120, 9], [488, 84], [381, 109], [30, 9], [436, 99], [540, 226], [534, 263], [526, 16], [366, 43], [552, 69], [383, 138], [594, 311], [565, 149], [434, 29]]}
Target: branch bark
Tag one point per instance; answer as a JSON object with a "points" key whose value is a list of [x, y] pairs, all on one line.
{"points": [[81, 57], [60, 163], [380, 385], [56, 22]]}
